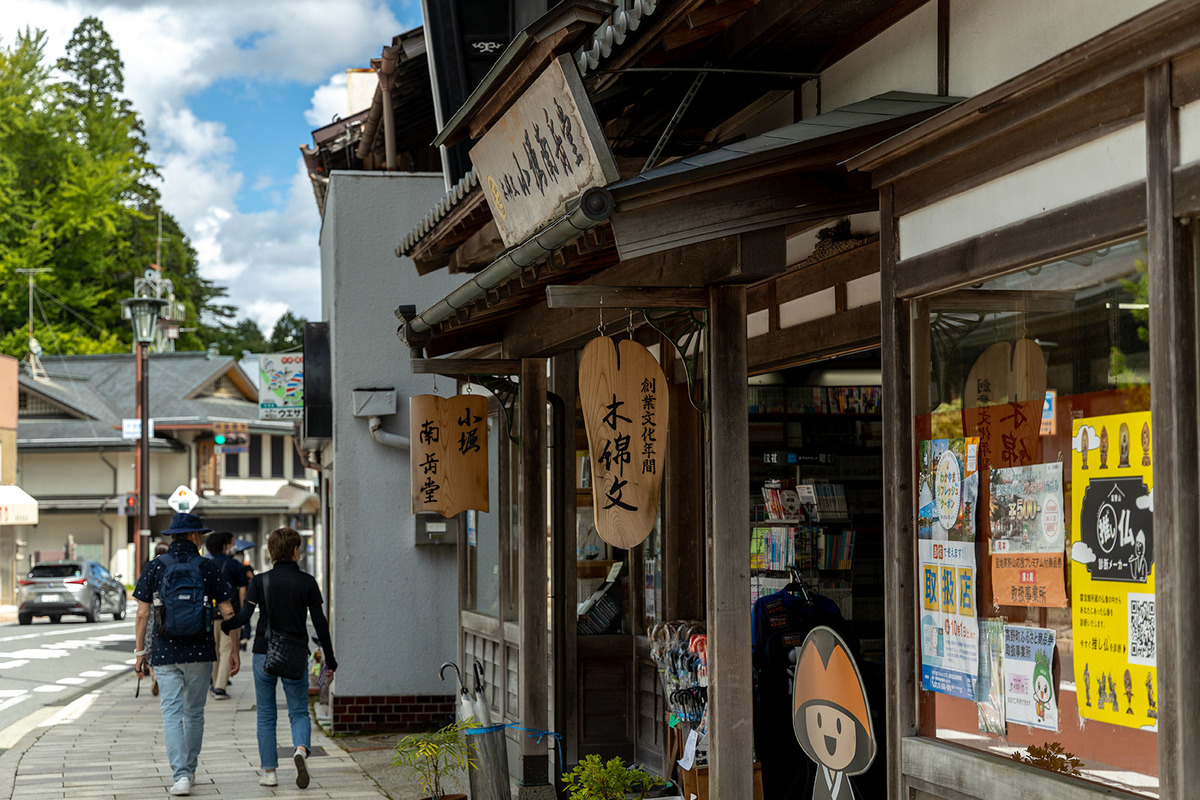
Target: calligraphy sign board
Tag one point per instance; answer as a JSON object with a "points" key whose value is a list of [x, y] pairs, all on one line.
{"points": [[625, 402], [449, 452], [1112, 570], [546, 149]]}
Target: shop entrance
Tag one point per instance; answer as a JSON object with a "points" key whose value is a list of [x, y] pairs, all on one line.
{"points": [[816, 539]]}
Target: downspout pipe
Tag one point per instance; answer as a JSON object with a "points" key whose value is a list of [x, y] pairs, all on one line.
{"points": [[583, 213], [385, 438], [387, 81]]}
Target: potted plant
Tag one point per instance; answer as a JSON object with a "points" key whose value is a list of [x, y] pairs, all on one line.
{"points": [[432, 757], [592, 779]]}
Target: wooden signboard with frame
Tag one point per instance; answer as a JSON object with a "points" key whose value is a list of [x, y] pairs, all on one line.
{"points": [[449, 452], [625, 404], [546, 149]]}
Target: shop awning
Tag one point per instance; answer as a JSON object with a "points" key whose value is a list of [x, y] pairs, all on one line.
{"points": [[17, 507]]}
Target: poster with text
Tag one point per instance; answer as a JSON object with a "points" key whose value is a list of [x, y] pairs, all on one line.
{"points": [[949, 630], [1112, 570], [281, 386], [1027, 524], [1030, 697]]}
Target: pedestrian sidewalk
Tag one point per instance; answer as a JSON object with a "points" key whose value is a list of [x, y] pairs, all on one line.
{"points": [[106, 744]]}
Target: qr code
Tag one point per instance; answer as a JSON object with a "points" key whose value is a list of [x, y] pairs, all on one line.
{"points": [[1142, 644]]}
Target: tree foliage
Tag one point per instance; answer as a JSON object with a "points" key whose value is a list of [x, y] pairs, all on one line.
{"points": [[288, 333], [79, 197]]}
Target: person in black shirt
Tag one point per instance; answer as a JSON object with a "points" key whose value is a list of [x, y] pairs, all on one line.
{"points": [[182, 665], [218, 545], [293, 597]]}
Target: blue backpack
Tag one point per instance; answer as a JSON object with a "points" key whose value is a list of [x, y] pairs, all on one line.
{"points": [[181, 589]]}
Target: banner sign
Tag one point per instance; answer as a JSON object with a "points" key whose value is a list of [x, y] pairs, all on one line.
{"points": [[281, 386], [1029, 693], [546, 149], [449, 453], [1112, 570], [625, 402], [1028, 535], [948, 492]]}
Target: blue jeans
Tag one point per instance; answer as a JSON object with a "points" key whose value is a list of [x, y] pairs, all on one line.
{"points": [[297, 702], [183, 690]]}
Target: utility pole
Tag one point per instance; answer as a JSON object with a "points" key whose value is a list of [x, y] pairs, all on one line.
{"points": [[35, 350]]}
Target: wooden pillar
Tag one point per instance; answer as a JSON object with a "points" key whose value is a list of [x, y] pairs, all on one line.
{"points": [[565, 383], [731, 715], [531, 604], [899, 540], [1173, 383], [683, 516]]}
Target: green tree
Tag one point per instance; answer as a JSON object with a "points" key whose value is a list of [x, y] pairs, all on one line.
{"points": [[78, 197], [288, 333], [233, 340]]}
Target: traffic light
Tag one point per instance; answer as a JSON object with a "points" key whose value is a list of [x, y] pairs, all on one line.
{"points": [[219, 440], [128, 506]]}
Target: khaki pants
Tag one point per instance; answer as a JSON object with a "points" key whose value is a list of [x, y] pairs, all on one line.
{"points": [[220, 672]]}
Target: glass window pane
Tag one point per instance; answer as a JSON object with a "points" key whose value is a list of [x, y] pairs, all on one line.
{"points": [[1032, 396]]}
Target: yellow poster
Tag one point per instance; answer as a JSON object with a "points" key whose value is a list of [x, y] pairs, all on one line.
{"points": [[1112, 570]]}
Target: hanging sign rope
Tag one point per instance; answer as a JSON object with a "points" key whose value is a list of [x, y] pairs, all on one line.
{"points": [[625, 403], [449, 453]]}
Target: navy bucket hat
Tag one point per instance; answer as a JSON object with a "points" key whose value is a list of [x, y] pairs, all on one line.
{"points": [[185, 523]]}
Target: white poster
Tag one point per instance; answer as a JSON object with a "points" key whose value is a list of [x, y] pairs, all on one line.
{"points": [[1029, 694], [281, 386]]}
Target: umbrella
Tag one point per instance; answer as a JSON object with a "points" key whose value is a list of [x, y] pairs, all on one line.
{"points": [[240, 545], [489, 779]]}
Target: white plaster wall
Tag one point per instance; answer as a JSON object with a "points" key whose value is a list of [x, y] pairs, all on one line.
{"points": [[394, 605], [60, 474], [902, 58], [1114, 160], [1189, 133], [994, 40]]}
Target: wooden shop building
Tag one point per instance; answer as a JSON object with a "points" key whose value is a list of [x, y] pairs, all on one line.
{"points": [[847, 232]]}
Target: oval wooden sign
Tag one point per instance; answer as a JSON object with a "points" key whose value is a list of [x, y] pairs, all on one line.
{"points": [[449, 453], [625, 402]]}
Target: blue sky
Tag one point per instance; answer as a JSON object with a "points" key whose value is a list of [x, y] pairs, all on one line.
{"points": [[229, 89]]}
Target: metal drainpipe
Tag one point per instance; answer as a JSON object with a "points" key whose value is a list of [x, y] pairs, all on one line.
{"points": [[387, 78], [103, 503], [383, 437]]}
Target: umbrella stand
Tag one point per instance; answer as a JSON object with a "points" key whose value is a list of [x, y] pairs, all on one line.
{"points": [[489, 779]]}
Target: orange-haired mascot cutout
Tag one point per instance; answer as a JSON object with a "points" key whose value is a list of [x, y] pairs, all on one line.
{"points": [[830, 714]]}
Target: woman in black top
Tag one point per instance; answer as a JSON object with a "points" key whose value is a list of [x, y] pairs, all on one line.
{"points": [[293, 597]]}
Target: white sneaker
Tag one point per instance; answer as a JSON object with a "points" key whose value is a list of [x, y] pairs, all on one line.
{"points": [[269, 779], [301, 759], [183, 786]]}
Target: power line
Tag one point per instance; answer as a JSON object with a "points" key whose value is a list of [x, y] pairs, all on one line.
{"points": [[63, 360], [70, 310]]}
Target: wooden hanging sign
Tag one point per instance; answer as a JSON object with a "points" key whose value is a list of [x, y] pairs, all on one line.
{"points": [[449, 453], [625, 403]]}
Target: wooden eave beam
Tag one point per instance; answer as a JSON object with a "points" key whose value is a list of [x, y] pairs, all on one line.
{"points": [[465, 367], [585, 296], [757, 27]]}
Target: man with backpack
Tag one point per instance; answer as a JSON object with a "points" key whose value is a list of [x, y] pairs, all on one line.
{"points": [[178, 590]]}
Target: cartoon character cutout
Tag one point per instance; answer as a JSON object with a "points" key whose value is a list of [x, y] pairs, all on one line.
{"points": [[830, 715], [1043, 685]]}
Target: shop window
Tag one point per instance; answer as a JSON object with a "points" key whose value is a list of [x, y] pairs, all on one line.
{"points": [[255, 455], [483, 537], [231, 465], [1034, 449], [299, 471], [277, 444]]}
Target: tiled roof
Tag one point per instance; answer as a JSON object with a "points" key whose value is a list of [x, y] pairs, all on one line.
{"points": [[456, 195]]}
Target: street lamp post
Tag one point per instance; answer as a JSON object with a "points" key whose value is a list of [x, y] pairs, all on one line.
{"points": [[143, 311]]}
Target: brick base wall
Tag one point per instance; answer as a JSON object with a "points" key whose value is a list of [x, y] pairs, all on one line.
{"points": [[378, 713]]}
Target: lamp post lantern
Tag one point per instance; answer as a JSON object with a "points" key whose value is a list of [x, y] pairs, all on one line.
{"points": [[143, 311]]}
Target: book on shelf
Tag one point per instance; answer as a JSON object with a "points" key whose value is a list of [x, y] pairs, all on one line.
{"points": [[772, 548], [836, 550]]}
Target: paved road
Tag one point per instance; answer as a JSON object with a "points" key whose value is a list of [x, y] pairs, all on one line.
{"points": [[43, 666]]}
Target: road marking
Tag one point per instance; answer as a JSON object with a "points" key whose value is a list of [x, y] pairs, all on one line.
{"points": [[114, 667], [49, 688], [14, 664], [131, 661], [92, 673], [64, 631], [13, 733], [12, 701], [11, 692], [36, 653], [71, 681]]}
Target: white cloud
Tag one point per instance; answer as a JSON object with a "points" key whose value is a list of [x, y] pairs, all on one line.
{"points": [[1081, 552], [175, 48], [327, 101]]}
